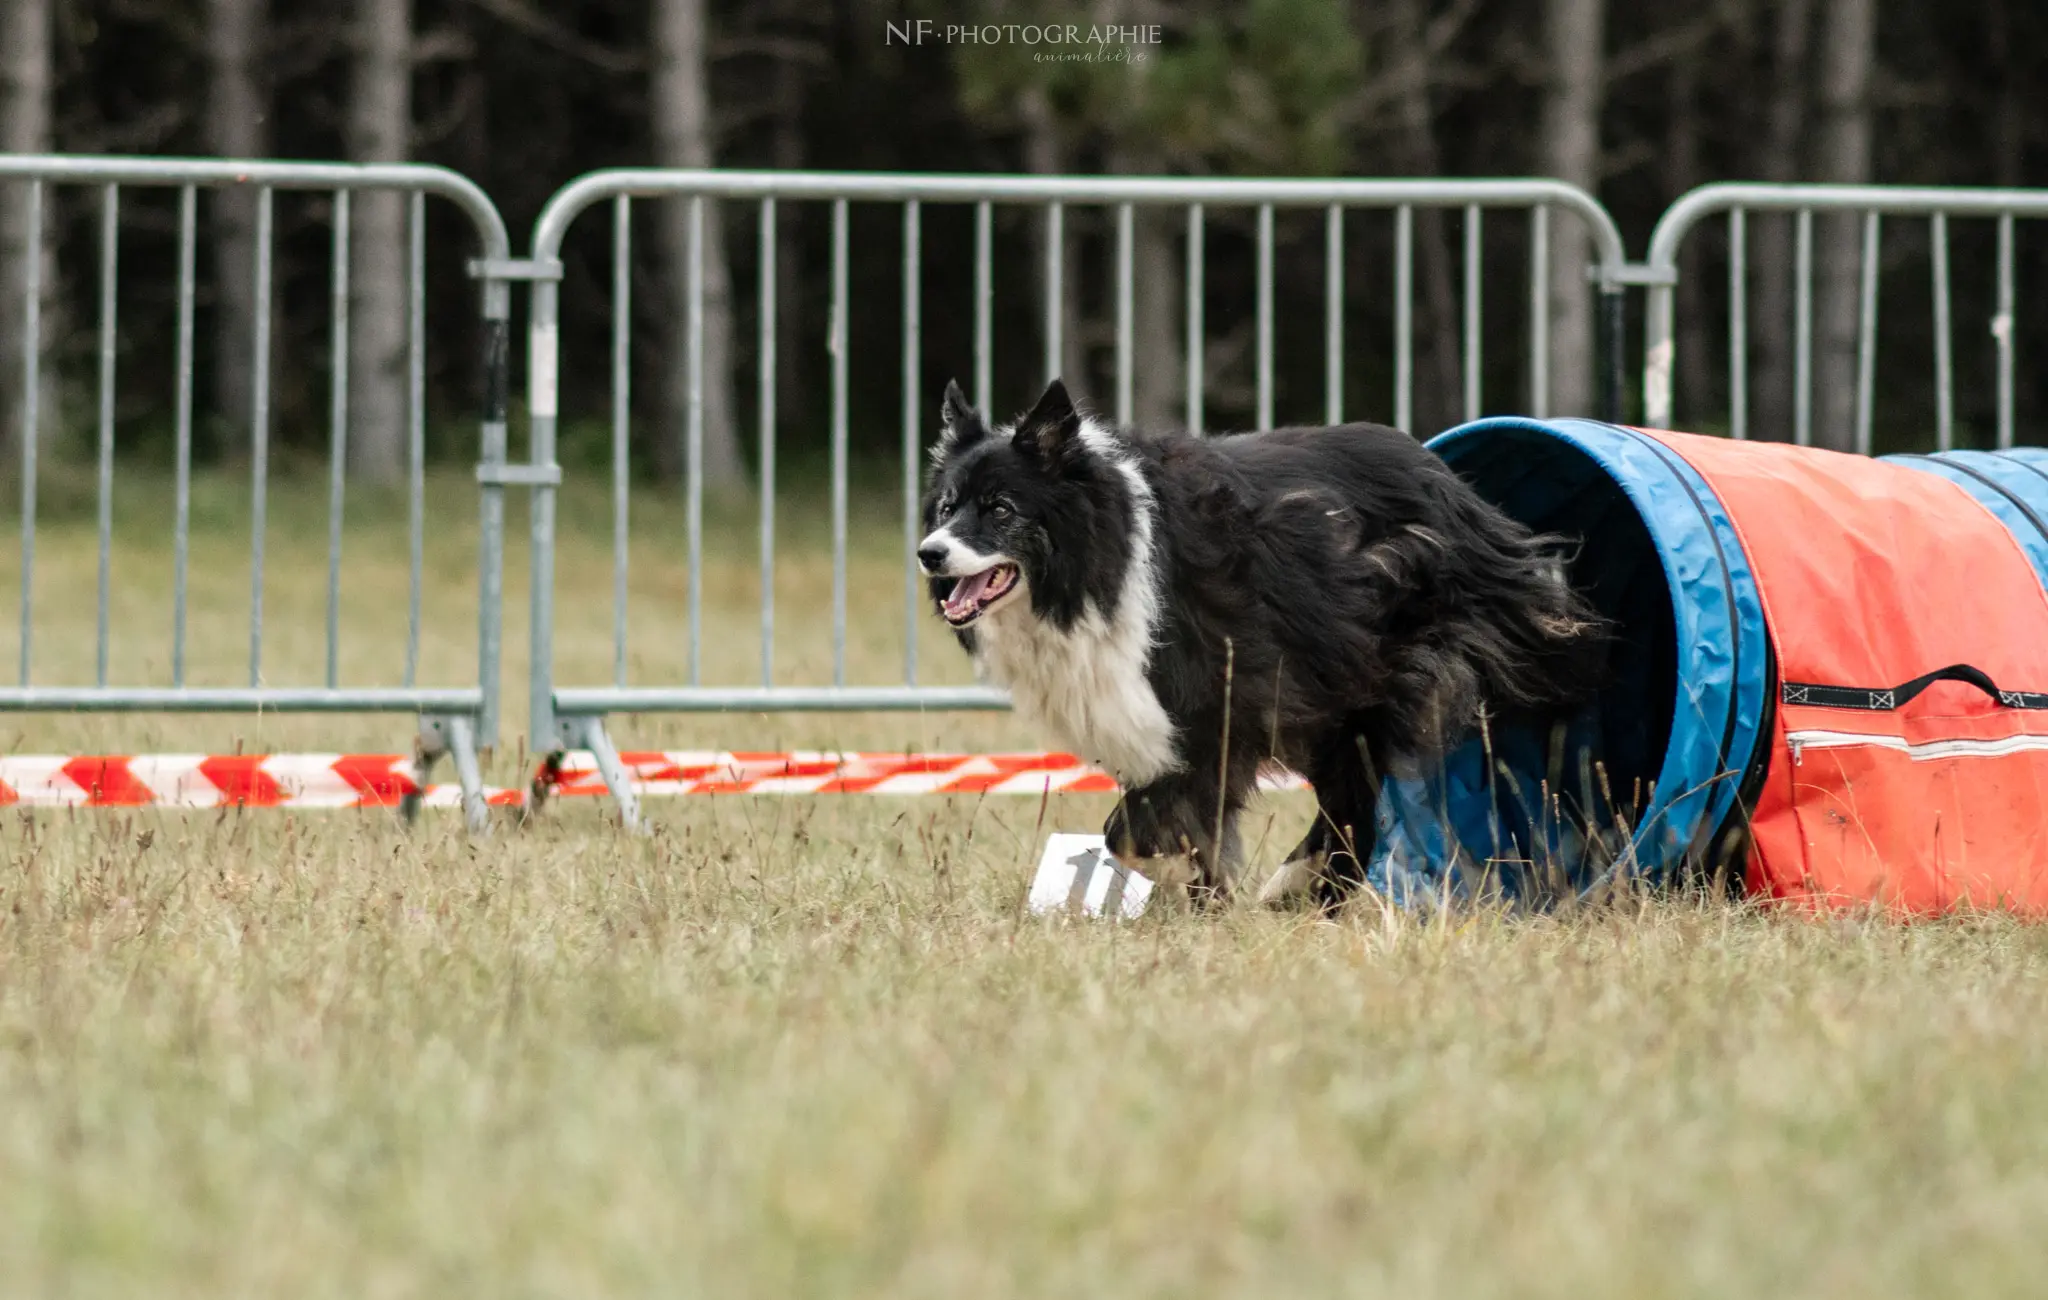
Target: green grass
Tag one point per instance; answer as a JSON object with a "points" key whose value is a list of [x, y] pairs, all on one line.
{"points": [[814, 1047]]}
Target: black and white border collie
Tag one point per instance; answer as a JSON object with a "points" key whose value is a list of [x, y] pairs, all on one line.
{"points": [[1186, 610]]}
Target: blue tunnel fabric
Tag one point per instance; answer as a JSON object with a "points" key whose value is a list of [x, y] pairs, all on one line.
{"points": [[1648, 771]]}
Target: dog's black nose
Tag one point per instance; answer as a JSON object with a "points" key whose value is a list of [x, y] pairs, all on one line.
{"points": [[931, 557]]}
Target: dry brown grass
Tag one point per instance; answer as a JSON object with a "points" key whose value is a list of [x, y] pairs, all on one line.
{"points": [[813, 1047]]}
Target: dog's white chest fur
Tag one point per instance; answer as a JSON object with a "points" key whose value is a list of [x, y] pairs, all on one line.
{"points": [[1088, 684]]}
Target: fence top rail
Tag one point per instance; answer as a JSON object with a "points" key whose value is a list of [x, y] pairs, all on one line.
{"points": [[772, 699], [1891, 200], [72, 169], [269, 699], [594, 187]]}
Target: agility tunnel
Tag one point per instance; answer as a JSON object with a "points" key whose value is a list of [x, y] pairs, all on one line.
{"points": [[1828, 679]]}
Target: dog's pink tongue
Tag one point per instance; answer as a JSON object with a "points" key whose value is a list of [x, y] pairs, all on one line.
{"points": [[968, 590]]}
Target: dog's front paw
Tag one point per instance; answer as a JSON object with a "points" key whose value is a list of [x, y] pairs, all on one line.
{"points": [[1169, 836], [1136, 829], [1142, 840]]}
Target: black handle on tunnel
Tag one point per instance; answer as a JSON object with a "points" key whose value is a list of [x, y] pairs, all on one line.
{"points": [[1894, 697]]}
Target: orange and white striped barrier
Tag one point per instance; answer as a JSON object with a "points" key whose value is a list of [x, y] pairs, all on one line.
{"points": [[383, 780], [221, 781], [681, 772]]}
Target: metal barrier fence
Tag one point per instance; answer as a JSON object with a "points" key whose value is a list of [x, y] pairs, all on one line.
{"points": [[454, 721], [1871, 203], [457, 721], [571, 716]]}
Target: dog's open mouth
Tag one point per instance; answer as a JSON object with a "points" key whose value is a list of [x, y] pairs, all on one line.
{"points": [[973, 594]]}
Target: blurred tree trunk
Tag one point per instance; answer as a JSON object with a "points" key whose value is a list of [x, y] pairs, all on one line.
{"points": [[235, 128], [24, 128], [2009, 117], [1158, 328], [1771, 258], [379, 130], [1574, 42], [789, 153], [1848, 49], [1439, 385], [681, 105], [1682, 173], [1044, 156], [1159, 381]]}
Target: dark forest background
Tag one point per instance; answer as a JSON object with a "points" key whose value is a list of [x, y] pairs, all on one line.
{"points": [[1635, 102]]}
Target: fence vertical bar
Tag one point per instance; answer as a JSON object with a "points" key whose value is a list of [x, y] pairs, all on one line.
{"points": [[543, 377], [1539, 311], [188, 220], [1196, 329], [1944, 374], [766, 400], [1333, 315], [1265, 316], [1055, 304], [110, 254], [1738, 324], [693, 449], [1472, 358], [416, 426], [1611, 302], [1866, 333], [1659, 351], [337, 430], [259, 433], [984, 306], [622, 423], [490, 582], [1802, 329], [1124, 318], [1404, 318], [31, 417], [913, 342], [2002, 329], [840, 344]]}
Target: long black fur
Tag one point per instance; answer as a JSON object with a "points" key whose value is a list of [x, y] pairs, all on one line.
{"points": [[1334, 600]]}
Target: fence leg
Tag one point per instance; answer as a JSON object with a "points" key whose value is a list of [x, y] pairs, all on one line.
{"points": [[455, 737], [590, 734], [1611, 324], [476, 807], [427, 748]]}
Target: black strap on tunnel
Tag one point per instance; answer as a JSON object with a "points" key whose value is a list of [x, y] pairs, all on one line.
{"points": [[1881, 699]]}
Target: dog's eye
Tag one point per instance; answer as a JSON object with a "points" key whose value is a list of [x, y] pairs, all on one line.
{"points": [[999, 510]]}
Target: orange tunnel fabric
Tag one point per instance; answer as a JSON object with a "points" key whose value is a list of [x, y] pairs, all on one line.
{"points": [[1874, 573]]}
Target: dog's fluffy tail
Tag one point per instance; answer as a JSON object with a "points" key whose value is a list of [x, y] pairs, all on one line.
{"points": [[1538, 643]]}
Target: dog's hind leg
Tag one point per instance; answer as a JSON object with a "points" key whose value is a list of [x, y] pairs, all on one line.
{"points": [[1329, 863], [1292, 881], [1357, 835], [1296, 876]]}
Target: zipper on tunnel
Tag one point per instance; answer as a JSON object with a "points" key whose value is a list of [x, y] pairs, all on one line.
{"points": [[1918, 751]]}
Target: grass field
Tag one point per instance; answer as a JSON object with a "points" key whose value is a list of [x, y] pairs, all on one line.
{"points": [[814, 1047]]}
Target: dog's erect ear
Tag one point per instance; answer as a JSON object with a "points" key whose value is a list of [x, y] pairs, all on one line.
{"points": [[959, 423], [1052, 428]]}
